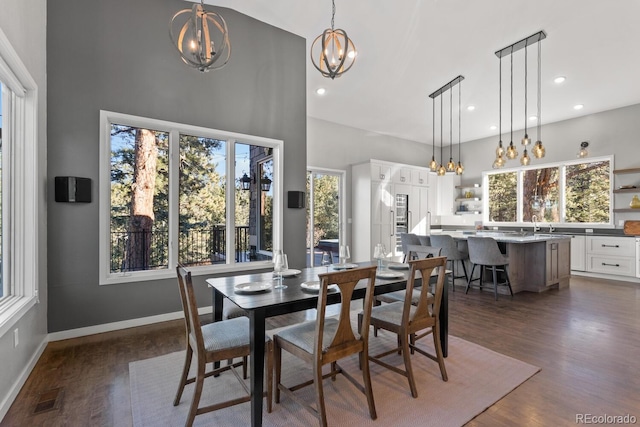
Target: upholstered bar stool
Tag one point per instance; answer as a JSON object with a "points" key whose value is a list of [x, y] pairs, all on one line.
{"points": [[407, 239], [453, 253], [484, 251]]}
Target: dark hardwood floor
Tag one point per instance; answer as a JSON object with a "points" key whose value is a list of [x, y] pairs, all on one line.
{"points": [[585, 338]]}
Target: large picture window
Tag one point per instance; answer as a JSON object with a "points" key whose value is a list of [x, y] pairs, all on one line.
{"points": [[576, 192], [178, 193]]}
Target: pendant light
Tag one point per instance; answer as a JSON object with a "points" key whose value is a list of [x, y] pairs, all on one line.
{"points": [[451, 167], [433, 165], [512, 153], [538, 149], [459, 167], [499, 161], [441, 169], [333, 52]]}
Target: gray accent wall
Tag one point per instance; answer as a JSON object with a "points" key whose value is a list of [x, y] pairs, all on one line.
{"points": [[116, 55]]}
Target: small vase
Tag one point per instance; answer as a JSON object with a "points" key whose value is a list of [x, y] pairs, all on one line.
{"points": [[635, 202]]}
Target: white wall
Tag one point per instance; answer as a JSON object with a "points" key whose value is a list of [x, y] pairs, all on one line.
{"points": [[24, 24]]}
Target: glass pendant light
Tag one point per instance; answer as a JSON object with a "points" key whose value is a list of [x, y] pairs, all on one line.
{"points": [[441, 169], [538, 149], [526, 140], [512, 152], [433, 165], [451, 167], [525, 159], [459, 167]]}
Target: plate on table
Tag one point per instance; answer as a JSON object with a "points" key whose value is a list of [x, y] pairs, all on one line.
{"points": [[253, 287], [314, 286], [389, 275], [398, 266], [345, 266], [290, 272]]}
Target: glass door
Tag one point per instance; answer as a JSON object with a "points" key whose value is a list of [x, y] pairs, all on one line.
{"points": [[324, 214]]}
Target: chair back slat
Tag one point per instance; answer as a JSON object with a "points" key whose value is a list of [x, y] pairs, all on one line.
{"points": [[425, 267], [346, 281], [190, 307]]}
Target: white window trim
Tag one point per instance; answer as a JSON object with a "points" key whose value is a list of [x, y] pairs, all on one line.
{"points": [[174, 129], [561, 194], [23, 164]]}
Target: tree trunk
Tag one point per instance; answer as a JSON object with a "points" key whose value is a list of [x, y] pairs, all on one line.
{"points": [[143, 188]]}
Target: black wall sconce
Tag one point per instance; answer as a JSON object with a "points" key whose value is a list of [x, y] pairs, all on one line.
{"points": [[245, 182], [72, 189], [295, 199], [583, 152]]}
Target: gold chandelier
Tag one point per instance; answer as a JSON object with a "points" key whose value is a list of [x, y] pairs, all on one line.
{"points": [[333, 52], [442, 168]]}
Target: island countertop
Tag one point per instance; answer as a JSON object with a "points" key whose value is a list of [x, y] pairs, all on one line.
{"points": [[509, 236]]}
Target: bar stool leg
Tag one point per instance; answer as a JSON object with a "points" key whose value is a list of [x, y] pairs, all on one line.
{"points": [[495, 281]]}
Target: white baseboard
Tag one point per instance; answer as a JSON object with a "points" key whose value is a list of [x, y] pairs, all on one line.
{"points": [[114, 326], [12, 393], [605, 276]]}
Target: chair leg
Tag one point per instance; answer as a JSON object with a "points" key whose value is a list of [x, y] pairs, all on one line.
{"points": [[464, 269], [277, 360], [473, 268], [244, 367], [406, 354], [269, 376], [196, 394], [185, 375], [506, 275], [495, 281], [317, 381], [453, 274], [366, 378], [436, 343]]}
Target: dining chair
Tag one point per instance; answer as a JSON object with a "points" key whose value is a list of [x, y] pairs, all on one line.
{"points": [[412, 322], [214, 342], [453, 253], [484, 251], [407, 239], [327, 340]]}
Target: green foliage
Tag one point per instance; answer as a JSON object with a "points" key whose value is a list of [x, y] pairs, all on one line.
{"points": [[327, 204], [503, 200], [587, 192]]}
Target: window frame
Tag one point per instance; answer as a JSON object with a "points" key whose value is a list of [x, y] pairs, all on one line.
{"points": [[21, 192], [107, 118], [561, 193]]}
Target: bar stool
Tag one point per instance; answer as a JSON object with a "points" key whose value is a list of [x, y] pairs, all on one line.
{"points": [[453, 253], [407, 239], [484, 251]]}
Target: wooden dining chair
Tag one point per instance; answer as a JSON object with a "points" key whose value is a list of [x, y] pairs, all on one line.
{"points": [[411, 322], [325, 341], [214, 342]]}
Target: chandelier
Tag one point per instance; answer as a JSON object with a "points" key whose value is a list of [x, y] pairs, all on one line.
{"points": [[451, 166], [201, 37], [333, 52]]}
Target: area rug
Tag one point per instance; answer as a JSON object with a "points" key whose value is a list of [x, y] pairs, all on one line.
{"points": [[478, 377]]}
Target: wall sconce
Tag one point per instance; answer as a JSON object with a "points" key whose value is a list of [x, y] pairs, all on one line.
{"points": [[245, 182], [583, 150]]}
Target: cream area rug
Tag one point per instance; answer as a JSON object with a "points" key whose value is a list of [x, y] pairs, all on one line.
{"points": [[478, 377]]}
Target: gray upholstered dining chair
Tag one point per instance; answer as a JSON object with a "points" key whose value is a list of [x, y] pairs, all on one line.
{"points": [[327, 340], [411, 322], [484, 251], [453, 253], [424, 240], [407, 239], [213, 342]]}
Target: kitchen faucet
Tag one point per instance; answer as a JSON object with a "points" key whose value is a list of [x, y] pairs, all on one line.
{"points": [[535, 226], [551, 228]]}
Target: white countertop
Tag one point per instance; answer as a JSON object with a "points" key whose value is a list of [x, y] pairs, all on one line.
{"points": [[507, 237]]}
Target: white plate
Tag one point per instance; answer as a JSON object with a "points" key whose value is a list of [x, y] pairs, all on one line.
{"points": [[314, 286], [289, 273], [345, 266], [253, 287], [397, 266], [389, 275]]}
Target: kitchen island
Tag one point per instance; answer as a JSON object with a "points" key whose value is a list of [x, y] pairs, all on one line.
{"points": [[537, 262]]}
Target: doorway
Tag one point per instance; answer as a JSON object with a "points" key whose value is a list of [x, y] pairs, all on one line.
{"points": [[325, 212]]}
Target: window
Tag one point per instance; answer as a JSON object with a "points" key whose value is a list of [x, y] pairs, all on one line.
{"points": [[175, 194], [19, 194], [576, 192]]}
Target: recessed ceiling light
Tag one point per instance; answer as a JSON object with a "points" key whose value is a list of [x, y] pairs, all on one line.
{"points": [[559, 79], [578, 107], [533, 118], [321, 91], [493, 127], [471, 107]]}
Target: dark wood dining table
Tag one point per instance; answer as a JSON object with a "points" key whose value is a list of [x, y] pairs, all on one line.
{"points": [[294, 298]]}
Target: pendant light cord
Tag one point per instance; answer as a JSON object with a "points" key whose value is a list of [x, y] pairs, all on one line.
{"points": [[433, 128], [526, 69], [333, 12], [511, 142], [539, 124], [450, 123], [440, 129], [500, 102], [459, 115]]}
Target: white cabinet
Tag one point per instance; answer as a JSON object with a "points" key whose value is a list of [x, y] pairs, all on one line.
{"points": [[446, 186], [578, 252], [383, 208], [420, 177], [611, 255]]}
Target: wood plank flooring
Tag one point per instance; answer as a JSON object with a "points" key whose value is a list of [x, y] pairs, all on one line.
{"points": [[585, 338]]}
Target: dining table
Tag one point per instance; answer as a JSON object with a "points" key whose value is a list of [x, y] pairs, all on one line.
{"points": [[260, 300]]}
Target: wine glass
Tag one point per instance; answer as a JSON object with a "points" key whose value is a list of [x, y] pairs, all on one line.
{"points": [[280, 264], [344, 255], [379, 253], [326, 259]]}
